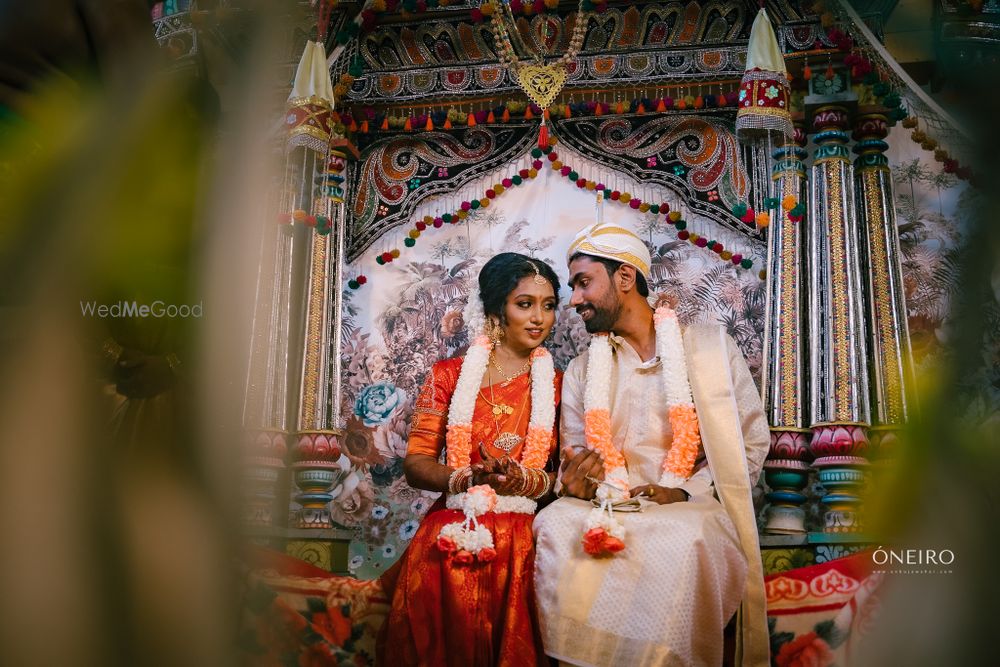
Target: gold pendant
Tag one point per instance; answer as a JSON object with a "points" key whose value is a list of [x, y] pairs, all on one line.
{"points": [[542, 83], [501, 409], [507, 441]]}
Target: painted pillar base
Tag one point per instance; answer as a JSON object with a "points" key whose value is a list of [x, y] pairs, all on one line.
{"points": [[842, 468], [317, 470], [786, 474], [264, 460]]}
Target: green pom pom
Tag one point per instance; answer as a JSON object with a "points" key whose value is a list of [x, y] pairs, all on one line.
{"points": [[711, 244], [681, 224], [798, 209], [353, 284], [379, 260], [771, 202], [517, 180], [881, 89], [475, 204], [547, 150], [607, 193], [446, 217], [323, 231], [746, 263], [573, 176], [892, 100], [739, 210], [654, 208], [409, 243], [536, 152]]}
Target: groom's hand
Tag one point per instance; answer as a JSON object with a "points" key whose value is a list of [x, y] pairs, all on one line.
{"points": [[660, 494], [576, 468]]}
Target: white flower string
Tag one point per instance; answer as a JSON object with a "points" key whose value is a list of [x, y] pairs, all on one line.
{"points": [[468, 536], [603, 533]]}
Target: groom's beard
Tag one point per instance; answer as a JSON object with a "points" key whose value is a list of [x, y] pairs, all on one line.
{"points": [[605, 315]]}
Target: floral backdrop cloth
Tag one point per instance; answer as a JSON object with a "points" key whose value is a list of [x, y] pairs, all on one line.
{"points": [[408, 314]]}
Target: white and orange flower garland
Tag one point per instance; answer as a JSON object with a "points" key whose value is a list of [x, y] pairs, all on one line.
{"points": [[468, 539], [603, 533]]}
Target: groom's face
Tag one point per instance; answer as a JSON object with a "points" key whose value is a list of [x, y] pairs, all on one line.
{"points": [[595, 296]]}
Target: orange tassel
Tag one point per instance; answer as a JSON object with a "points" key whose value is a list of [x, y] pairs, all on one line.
{"points": [[430, 124], [545, 114], [699, 102], [527, 113], [662, 106], [353, 127], [470, 120], [807, 73], [506, 115], [364, 127], [829, 71], [408, 126], [598, 109], [619, 108], [640, 109], [681, 104], [543, 136], [447, 123], [490, 118], [569, 113], [722, 100], [385, 124]]}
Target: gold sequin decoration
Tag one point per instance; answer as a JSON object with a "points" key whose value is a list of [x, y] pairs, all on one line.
{"points": [[839, 313], [314, 333], [889, 353]]}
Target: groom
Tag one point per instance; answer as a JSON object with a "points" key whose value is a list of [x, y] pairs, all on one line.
{"points": [[657, 586]]}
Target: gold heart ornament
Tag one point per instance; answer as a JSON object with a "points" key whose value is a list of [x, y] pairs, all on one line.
{"points": [[542, 83]]}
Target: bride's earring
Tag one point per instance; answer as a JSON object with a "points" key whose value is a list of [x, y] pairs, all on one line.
{"points": [[494, 331]]}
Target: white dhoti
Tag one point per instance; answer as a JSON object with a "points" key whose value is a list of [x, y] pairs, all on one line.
{"points": [[664, 600]]}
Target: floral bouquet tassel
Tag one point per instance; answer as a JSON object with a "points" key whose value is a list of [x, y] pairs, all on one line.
{"points": [[468, 541]]}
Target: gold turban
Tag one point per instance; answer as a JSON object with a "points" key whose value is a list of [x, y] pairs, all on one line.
{"points": [[612, 242]]}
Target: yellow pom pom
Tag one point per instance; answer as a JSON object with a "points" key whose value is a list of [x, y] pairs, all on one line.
{"points": [[591, 185], [414, 233], [625, 198], [487, 8], [763, 219], [299, 215], [557, 165], [484, 202], [395, 253], [532, 172], [693, 237], [499, 188], [428, 219], [462, 214], [674, 216], [788, 203], [643, 207], [726, 255]]}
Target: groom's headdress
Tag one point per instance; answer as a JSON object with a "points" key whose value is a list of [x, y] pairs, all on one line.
{"points": [[612, 242]]}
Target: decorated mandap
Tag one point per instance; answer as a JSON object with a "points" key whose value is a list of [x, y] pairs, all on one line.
{"points": [[791, 181]]}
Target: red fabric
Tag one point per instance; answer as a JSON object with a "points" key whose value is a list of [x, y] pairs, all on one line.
{"points": [[445, 614]]}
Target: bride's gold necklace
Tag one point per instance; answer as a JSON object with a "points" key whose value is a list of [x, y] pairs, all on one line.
{"points": [[509, 378], [505, 441]]}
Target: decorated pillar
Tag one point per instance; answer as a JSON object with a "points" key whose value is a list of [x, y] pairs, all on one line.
{"points": [[786, 469], [838, 370], [319, 461], [888, 337]]}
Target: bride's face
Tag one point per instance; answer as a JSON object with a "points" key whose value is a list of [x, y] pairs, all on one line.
{"points": [[530, 312]]}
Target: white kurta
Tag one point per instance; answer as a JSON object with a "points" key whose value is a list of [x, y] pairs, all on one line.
{"points": [[666, 598]]}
